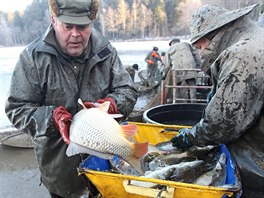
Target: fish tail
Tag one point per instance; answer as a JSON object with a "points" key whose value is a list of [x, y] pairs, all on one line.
{"points": [[129, 130], [140, 149]]}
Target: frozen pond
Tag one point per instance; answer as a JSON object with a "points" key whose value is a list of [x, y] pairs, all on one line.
{"points": [[129, 52]]}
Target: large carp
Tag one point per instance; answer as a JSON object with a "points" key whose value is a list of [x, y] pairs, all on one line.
{"points": [[96, 132]]}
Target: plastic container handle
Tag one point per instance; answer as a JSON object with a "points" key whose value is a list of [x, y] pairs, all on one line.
{"points": [[167, 192]]}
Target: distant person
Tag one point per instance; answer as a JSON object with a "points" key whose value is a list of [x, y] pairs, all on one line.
{"points": [[152, 60], [233, 46], [180, 56], [162, 56], [70, 60], [132, 70]]}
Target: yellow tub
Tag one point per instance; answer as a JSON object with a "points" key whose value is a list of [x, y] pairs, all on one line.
{"points": [[117, 185]]}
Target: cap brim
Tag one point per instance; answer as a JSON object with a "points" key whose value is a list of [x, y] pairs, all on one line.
{"points": [[227, 18], [80, 20]]}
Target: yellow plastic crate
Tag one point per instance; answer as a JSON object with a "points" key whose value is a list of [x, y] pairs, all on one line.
{"points": [[118, 185]]}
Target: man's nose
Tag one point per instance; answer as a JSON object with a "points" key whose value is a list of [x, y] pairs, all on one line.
{"points": [[75, 31]]}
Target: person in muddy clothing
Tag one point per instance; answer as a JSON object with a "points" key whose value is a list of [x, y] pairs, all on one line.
{"points": [[152, 59], [70, 60], [180, 56], [230, 42], [132, 70]]}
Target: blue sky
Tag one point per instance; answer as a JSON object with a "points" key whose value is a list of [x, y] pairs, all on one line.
{"points": [[12, 5]]}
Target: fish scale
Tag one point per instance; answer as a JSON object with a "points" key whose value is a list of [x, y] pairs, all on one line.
{"points": [[93, 129]]}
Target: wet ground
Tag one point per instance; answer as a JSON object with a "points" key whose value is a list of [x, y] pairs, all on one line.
{"points": [[19, 174]]}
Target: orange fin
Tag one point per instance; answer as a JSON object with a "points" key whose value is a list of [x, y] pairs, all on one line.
{"points": [[129, 130], [140, 149]]}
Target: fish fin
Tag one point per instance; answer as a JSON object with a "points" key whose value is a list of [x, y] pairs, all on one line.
{"points": [[129, 130], [116, 115], [104, 106], [140, 149], [74, 149], [135, 163], [81, 103], [100, 154]]}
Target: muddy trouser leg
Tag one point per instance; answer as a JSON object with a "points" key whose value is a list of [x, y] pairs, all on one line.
{"points": [[182, 93], [151, 75], [192, 91]]}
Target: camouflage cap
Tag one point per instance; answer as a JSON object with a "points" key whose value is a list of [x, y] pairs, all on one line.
{"points": [[79, 12], [209, 18], [174, 40]]}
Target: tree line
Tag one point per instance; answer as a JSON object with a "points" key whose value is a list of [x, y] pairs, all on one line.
{"points": [[117, 20]]}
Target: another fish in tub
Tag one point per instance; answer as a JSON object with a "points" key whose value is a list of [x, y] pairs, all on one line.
{"points": [[95, 132], [215, 177], [153, 160], [165, 173]]}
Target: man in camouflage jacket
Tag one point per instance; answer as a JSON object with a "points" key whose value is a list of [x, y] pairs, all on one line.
{"points": [[233, 45]]}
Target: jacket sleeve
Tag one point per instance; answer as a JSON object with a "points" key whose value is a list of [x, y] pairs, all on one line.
{"points": [[123, 89], [23, 106], [237, 103]]}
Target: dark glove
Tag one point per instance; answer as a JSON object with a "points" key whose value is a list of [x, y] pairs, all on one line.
{"points": [[181, 140], [62, 119]]}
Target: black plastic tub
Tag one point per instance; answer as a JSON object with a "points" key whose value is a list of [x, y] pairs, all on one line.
{"points": [[187, 114]]}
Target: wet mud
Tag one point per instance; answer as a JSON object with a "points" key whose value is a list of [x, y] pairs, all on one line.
{"points": [[19, 174]]}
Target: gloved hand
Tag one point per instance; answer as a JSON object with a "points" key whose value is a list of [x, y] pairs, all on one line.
{"points": [[89, 105], [62, 119], [154, 54], [181, 140], [151, 62], [112, 108]]}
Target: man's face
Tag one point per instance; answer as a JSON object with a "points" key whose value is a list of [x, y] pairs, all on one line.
{"points": [[207, 55], [73, 39], [201, 44]]}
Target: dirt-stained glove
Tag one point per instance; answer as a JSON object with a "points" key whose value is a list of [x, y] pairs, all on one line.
{"points": [[89, 105], [112, 108], [181, 140], [151, 62], [62, 119]]}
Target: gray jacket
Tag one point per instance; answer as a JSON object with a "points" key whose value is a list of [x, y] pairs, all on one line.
{"points": [[44, 79], [181, 55], [235, 114]]}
